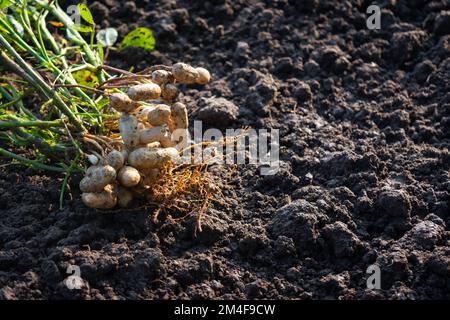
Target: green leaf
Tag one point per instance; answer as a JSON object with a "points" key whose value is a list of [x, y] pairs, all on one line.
{"points": [[107, 37], [85, 13], [83, 28], [102, 103], [15, 25], [141, 38], [86, 78], [5, 4]]}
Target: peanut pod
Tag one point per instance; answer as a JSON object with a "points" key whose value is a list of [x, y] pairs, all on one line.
{"points": [[92, 169], [144, 92], [122, 102], [159, 134], [115, 159], [128, 176], [93, 159], [159, 115], [179, 116], [203, 76], [179, 138], [184, 73], [144, 158], [97, 179], [128, 126], [161, 76], [169, 92], [105, 199]]}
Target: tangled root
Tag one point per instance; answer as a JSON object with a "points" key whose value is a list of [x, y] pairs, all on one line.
{"points": [[182, 192]]}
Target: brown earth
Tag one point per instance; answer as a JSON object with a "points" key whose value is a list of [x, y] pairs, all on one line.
{"points": [[364, 120]]}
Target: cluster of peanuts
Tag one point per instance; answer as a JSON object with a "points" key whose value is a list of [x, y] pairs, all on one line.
{"points": [[153, 128]]}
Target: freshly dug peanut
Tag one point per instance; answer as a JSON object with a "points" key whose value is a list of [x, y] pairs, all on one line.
{"points": [[128, 176], [179, 116], [169, 92], [203, 76], [184, 73], [161, 76], [159, 115], [91, 169], [142, 112], [122, 102], [144, 92], [93, 159], [124, 197], [129, 126], [105, 199], [97, 179], [155, 134], [166, 140], [144, 158], [115, 159]]}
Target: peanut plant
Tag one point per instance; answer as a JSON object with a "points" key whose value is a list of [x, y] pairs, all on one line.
{"points": [[153, 130], [64, 105]]}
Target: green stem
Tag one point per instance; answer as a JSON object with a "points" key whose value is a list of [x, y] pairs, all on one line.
{"points": [[39, 83], [72, 167], [42, 60], [17, 95], [63, 189], [21, 42], [36, 123], [25, 21], [10, 103], [64, 18], [41, 26], [15, 99], [31, 163], [18, 39], [38, 143]]}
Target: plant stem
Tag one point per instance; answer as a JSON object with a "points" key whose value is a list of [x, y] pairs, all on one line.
{"points": [[80, 86], [38, 143], [22, 43], [20, 106], [34, 78], [63, 189], [40, 24], [73, 165], [116, 70], [15, 97], [31, 163], [42, 57], [64, 18], [36, 123], [10, 103]]}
